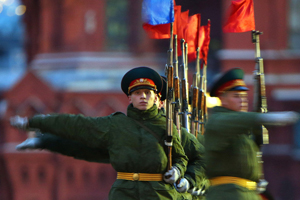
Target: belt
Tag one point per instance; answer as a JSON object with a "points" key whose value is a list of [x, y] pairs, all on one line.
{"points": [[251, 185], [139, 176]]}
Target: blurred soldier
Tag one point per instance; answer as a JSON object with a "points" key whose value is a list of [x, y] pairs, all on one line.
{"points": [[232, 164], [134, 152], [192, 185]]}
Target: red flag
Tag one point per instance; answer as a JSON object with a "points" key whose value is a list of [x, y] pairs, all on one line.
{"points": [[241, 17], [182, 21], [204, 40], [191, 35], [162, 31]]}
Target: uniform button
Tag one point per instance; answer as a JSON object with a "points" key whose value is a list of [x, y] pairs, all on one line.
{"points": [[135, 176]]}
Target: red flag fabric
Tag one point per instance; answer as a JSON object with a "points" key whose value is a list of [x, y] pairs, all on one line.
{"points": [[204, 40], [181, 24], [162, 31], [241, 17], [191, 35]]}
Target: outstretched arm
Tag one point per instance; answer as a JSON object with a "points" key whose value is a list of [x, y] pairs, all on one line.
{"points": [[65, 147]]}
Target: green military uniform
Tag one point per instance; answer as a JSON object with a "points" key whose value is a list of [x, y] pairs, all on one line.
{"points": [[231, 151], [195, 172], [72, 148], [231, 158], [131, 148]]}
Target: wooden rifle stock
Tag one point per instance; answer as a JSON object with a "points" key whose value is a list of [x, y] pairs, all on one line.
{"points": [[169, 95], [195, 99], [202, 101], [177, 105], [184, 89]]}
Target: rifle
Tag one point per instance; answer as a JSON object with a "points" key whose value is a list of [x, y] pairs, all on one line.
{"points": [[184, 87], [177, 92], [260, 99], [194, 116], [202, 110], [169, 95]]}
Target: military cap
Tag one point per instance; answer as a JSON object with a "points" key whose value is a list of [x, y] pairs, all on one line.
{"points": [[141, 78], [229, 81], [163, 93]]}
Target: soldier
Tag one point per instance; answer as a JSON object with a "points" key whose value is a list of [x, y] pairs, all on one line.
{"points": [[232, 164], [134, 152], [192, 185], [193, 178]]}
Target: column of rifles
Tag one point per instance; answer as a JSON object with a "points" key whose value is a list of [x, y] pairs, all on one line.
{"points": [[185, 106]]}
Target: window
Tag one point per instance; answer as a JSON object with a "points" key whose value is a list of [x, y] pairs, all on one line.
{"points": [[117, 25], [24, 174], [294, 37]]}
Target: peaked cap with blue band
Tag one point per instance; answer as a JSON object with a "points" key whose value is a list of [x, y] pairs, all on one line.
{"points": [[230, 81], [141, 78]]}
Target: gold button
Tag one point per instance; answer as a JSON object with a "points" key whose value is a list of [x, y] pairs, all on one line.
{"points": [[135, 176]]}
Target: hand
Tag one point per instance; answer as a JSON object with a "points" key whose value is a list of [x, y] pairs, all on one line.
{"points": [[19, 122], [172, 175], [182, 186], [261, 185], [197, 192], [30, 143], [279, 118]]}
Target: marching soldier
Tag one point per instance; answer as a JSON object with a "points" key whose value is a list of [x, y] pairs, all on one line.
{"points": [[134, 152], [192, 185], [188, 187], [231, 155]]}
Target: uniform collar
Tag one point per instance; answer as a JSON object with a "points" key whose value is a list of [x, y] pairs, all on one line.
{"points": [[137, 114], [221, 109]]}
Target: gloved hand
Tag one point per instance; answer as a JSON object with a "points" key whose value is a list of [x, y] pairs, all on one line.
{"points": [[19, 122], [172, 175], [182, 186], [279, 118], [30, 143], [261, 185], [196, 191]]}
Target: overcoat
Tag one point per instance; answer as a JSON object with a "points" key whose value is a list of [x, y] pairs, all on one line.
{"points": [[230, 150], [131, 147]]}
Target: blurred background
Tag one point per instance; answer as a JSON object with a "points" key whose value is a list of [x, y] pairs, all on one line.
{"points": [[68, 56]]}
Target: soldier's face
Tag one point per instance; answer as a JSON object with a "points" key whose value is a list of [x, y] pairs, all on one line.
{"points": [[235, 100], [142, 99]]}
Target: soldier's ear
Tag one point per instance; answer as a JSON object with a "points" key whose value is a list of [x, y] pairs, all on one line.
{"points": [[156, 99], [129, 98]]}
